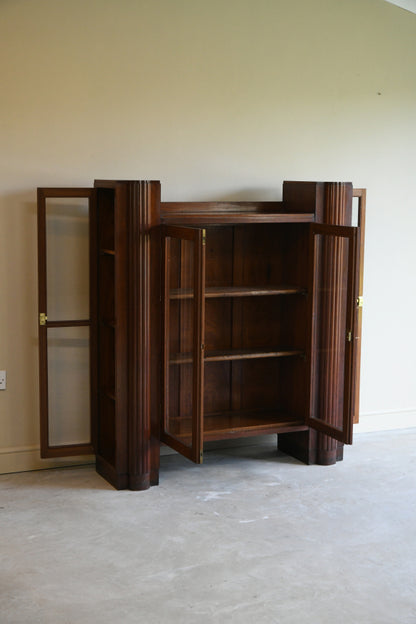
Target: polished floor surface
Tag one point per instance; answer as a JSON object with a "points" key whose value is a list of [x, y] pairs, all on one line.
{"points": [[251, 536]]}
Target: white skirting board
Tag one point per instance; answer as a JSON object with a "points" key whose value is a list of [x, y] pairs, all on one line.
{"points": [[23, 459], [386, 421]]}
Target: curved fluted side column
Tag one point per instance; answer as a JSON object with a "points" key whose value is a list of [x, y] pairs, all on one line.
{"points": [[144, 215]]}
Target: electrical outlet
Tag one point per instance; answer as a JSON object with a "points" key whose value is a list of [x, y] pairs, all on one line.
{"points": [[2, 380]]}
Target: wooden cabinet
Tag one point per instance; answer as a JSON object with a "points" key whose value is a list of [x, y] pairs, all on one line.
{"points": [[222, 320]]}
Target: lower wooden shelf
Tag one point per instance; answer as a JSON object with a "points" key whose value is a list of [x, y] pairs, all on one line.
{"points": [[247, 423], [240, 424]]}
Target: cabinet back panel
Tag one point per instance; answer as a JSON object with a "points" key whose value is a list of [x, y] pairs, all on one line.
{"points": [[218, 256], [294, 321], [294, 382], [256, 322], [217, 387], [256, 255], [261, 384], [218, 323], [270, 255]]}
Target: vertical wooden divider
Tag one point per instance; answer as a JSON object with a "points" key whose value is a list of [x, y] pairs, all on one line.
{"points": [[144, 333]]}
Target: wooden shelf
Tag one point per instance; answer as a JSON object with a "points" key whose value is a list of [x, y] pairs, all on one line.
{"points": [[211, 217], [237, 354], [239, 424], [238, 291], [248, 422]]}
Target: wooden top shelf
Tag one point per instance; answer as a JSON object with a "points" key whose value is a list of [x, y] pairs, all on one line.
{"points": [[237, 354], [229, 212], [238, 291], [222, 218]]}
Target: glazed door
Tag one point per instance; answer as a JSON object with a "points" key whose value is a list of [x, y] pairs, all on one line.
{"points": [[183, 309], [333, 288], [66, 320]]}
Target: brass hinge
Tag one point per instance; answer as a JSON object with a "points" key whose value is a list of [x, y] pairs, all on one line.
{"points": [[360, 302], [42, 318], [204, 237], [349, 336], [201, 457]]}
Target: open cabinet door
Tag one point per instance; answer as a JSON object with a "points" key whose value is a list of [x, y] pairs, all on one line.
{"points": [[183, 308], [333, 288], [360, 196], [66, 218]]}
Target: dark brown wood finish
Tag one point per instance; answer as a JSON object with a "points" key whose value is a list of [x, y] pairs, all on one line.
{"points": [[129, 332], [335, 209], [333, 305], [249, 363], [224, 218], [143, 324], [112, 340], [332, 204], [188, 379]]}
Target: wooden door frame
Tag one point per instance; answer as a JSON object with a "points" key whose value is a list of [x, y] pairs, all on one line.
{"points": [[67, 450], [332, 429], [361, 194], [197, 236]]}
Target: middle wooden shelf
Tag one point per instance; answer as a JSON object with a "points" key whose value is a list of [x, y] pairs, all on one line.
{"points": [[237, 354], [215, 292]]}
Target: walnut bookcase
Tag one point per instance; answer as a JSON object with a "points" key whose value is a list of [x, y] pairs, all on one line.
{"points": [[216, 320]]}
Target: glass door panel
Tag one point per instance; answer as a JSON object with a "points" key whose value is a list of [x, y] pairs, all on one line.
{"points": [[67, 258], [184, 265], [333, 302], [69, 386], [66, 268]]}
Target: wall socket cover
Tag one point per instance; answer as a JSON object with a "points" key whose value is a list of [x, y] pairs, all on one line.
{"points": [[2, 380]]}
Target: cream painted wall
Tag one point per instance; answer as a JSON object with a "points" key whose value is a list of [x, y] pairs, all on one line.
{"points": [[220, 99]]}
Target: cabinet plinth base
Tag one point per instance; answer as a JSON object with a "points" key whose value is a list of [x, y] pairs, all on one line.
{"points": [[140, 482], [304, 446], [105, 470], [123, 481], [340, 451], [326, 457], [154, 477], [300, 445]]}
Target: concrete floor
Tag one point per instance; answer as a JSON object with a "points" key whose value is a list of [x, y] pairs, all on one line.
{"points": [[249, 537]]}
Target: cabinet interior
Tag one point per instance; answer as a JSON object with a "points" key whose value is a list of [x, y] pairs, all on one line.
{"points": [[255, 378]]}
